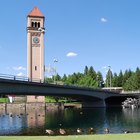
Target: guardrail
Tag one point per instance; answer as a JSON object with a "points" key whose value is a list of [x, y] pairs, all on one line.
{"points": [[130, 92], [20, 78]]}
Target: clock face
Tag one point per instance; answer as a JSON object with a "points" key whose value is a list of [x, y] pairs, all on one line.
{"points": [[36, 40]]}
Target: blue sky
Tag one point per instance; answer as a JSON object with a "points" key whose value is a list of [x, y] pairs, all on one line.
{"points": [[95, 33]]}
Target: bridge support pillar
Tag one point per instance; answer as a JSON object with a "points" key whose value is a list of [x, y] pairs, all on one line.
{"points": [[99, 103]]}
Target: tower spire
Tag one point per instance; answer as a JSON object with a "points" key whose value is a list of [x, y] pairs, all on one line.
{"points": [[35, 13]]}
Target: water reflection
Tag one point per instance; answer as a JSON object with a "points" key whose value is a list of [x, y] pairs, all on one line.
{"points": [[132, 119], [35, 122]]}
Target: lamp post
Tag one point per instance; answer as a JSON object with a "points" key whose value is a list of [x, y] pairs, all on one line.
{"points": [[55, 61], [97, 81], [109, 69]]}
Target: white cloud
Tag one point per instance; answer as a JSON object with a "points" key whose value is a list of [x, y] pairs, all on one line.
{"points": [[71, 54], [104, 20], [19, 68], [20, 74]]}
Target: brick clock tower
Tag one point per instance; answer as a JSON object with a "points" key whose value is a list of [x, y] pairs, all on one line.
{"points": [[35, 49]]}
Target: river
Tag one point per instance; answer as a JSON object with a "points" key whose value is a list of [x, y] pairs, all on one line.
{"points": [[35, 122]]}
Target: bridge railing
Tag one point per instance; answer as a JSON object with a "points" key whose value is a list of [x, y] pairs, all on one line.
{"points": [[19, 78], [129, 92], [7, 76]]}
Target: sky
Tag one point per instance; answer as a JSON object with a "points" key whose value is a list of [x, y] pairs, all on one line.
{"points": [[79, 33]]}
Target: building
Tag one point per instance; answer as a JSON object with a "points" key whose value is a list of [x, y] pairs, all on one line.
{"points": [[35, 50]]}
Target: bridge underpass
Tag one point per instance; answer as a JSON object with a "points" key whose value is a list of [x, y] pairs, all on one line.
{"points": [[117, 101], [86, 101]]}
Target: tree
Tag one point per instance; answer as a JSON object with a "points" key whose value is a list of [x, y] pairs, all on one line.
{"points": [[48, 80], [86, 70], [138, 77], [87, 81], [120, 79], [92, 73], [126, 76], [57, 77], [64, 78], [109, 78], [131, 83], [115, 80], [90, 78], [99, 79]]}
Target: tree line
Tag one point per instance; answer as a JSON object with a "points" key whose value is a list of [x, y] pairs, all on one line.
{"points": [[129, 80]]}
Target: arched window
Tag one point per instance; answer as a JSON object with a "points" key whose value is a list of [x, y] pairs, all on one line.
{"points": [[38, 24], [35, 24], [32, 24]]}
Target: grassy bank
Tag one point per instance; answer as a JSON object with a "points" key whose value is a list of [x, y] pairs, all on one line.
{"points": [[134, 136], [3, 100]]}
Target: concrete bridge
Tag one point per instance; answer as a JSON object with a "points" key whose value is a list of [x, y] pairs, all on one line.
{"points": [[89, 97]]}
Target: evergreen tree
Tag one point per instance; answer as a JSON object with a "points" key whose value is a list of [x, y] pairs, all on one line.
{"points": [[109, 78], [138, 77], [87, 81], [86, 70], [64, 78], [131, 83], [120, 79], [99, 79], [74, 78], [126, 76], [92, 73], [115, 80], [57, 77], [90, 78]]}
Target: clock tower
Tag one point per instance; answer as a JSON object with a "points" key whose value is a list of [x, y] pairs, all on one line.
{"points": [[35, 50]]}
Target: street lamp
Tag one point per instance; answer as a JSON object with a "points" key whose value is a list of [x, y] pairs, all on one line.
{"points": [[109, 69], [108, 76], [55, 61], [97, 81]]}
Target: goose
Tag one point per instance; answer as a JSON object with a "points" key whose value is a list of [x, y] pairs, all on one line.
{"points": [[79, 131], [126, 131], [106, 130], [91, 130], [49, 131], [62, 131]]}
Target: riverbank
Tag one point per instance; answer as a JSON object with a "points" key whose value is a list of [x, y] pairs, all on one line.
{"points": [[134, 136], [23, 107]]}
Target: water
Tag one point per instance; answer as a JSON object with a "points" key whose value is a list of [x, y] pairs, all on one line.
{"points": [[36, 122]]}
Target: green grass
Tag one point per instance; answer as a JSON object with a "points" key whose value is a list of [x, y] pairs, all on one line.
{"points": [[49, 100], [3, 100], [134, 136], [52, 100]]}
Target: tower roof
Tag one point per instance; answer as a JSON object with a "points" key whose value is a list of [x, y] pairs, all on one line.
{"points": [[35, 13]]}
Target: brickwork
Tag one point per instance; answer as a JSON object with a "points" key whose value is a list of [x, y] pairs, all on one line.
{"points": [[37, 99], [28, 107]]}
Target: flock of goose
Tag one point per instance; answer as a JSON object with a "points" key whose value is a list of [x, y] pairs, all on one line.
{"points": [[78, 131]]}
